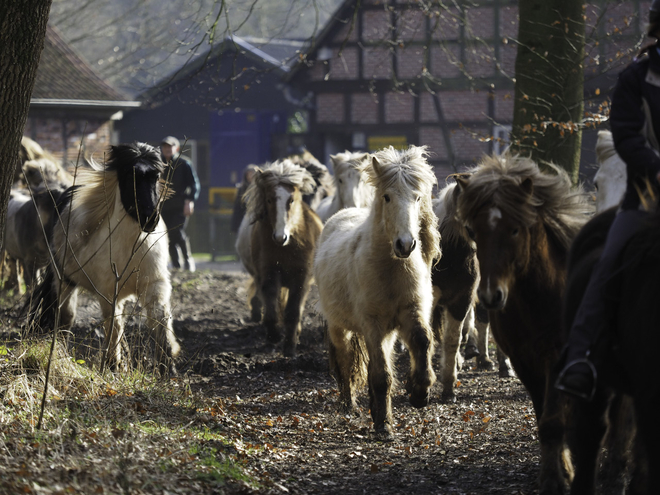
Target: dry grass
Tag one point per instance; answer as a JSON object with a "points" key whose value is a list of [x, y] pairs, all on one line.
{"points": [[106, 433]]}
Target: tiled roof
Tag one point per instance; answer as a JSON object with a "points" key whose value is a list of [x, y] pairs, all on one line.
{"points": [[65, 76]]}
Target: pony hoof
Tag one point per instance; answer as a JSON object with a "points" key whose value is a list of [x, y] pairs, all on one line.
{"points": [[419, 400], [471, 351], [507, 373], [448, 398], [384, 433], [255, 316], [289, 350], [485, 364]]}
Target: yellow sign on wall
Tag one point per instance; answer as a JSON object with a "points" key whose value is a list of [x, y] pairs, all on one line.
{"points": [[375, 143], [221, 199]]}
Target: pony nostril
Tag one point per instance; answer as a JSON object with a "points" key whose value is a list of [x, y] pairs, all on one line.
{"points": [[412, 245], [499, 296]]}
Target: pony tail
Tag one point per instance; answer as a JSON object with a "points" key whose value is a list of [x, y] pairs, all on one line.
{"points": [[41, 307]]}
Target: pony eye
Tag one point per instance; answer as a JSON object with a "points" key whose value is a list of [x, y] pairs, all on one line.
{"points": [[341, 181], [386, 198], [470, 232], [418, 199], [514, 232]]}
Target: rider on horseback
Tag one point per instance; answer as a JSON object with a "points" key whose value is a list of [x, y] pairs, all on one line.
{"points": [[635, 124]]}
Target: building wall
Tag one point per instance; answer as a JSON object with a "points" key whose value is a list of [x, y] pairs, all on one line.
{"points": [[62, 135], [443, 77]]}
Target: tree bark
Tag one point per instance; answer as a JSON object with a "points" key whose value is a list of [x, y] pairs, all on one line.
{"points": [[22, 33], [549, 101]]}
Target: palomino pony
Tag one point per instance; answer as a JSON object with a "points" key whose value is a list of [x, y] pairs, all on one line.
{"points": [[351, 187], [373, 270], [523, 222], [276, 243], [111, 241]]}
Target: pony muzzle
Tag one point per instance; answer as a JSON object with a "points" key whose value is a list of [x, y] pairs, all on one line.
{"points": [[493, 299], [403, 247], [281, 239]]}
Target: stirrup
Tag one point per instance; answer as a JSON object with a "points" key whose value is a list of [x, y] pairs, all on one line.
{"points": [[577, 393]]}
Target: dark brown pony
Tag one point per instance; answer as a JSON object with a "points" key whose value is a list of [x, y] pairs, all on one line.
{"points": [[627, 351], [276, 243], [523, 222]]}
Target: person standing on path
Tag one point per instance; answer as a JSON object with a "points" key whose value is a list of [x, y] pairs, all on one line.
{"points": [[178, 208]]}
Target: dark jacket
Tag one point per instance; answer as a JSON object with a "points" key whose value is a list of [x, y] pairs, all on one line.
{"points": [[183, 182], [635, 123]]}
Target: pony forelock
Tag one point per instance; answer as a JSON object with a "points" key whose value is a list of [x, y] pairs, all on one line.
{"points": [[496, 181]]}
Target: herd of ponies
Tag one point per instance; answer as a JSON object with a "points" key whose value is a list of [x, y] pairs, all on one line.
{"points": [[394, 259]]}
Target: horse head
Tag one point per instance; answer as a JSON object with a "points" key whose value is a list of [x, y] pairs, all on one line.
{"points": [[139, 168], [518, 215], [350, 182], [502, 240], [276, 196], [403, 182]]}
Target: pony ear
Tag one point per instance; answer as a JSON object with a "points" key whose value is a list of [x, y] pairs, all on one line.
{"points": [[375, 164], [463, 181], [527, 186]]}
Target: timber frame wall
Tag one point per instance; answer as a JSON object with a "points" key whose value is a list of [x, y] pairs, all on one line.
{"points": [[439, 74]]}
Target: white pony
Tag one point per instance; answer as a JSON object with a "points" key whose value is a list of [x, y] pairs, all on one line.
{"points": [[111, 241], [610, 179], [351, 186], [373, 270]]}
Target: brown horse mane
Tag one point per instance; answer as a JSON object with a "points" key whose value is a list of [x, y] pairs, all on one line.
{"points": [[496, 181], [408, 168], [282, 172]]}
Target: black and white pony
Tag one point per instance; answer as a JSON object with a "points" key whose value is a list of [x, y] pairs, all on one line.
{"points": [[110, 240]]}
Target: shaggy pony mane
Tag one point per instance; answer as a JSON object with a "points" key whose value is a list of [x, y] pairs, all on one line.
{"points": [[408, 169], [96, 189], [496, 181]]}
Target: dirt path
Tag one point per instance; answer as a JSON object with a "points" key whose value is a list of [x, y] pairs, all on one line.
{"points": [[484, 443]]}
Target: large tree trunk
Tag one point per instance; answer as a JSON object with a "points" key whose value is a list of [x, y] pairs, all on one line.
{"points": [[22, 33], [550, 82]]}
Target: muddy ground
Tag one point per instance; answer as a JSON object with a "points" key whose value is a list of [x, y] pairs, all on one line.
{"points": [[282, 417], [484, 443]]}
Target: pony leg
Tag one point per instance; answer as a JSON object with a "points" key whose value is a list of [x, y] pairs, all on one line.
{"points": [[347, 357], [113, 327], [556, 467], [419, 341], [585, 430], [254, 302], [68, 301], [380, 381], [159, 323], [270, 291], [449, 358], [482, 327], [292, 313]]}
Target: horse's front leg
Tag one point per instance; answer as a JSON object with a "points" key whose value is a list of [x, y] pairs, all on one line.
{"points": [[159, 323], [270, 289], [418, 338], [68, 301], [292, 315], [113, 326], [556, 467], [380, 380], [451, 339]]}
